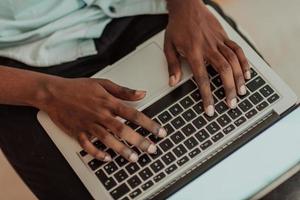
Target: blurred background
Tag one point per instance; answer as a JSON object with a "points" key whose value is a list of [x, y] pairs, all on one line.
{"points": [[274, 25]]}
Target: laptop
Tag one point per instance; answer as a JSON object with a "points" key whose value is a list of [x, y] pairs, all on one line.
{"points": [[195, 142]]}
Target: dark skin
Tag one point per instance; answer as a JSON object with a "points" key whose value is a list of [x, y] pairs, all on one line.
{"points": [[86, 108]]}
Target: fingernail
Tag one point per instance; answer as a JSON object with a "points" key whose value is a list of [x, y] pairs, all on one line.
{"points": [[140, 92], [107, 158], [152, 148], [172, 80], [248, 75], [233, 103], [133, 157], [210, 110], [162, 132], [243, 90]]}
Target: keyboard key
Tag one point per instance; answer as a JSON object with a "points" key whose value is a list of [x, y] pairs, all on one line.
{"points": [[273, 98], [95, 164], [262, 105], [176, 109], [211, 71], [131, 125], [99, 145], [217, 81], [166, 145], [168, 158], [212, 128], [186, 102], [199, 122], [134, 181], [159, 177], [83, 153], [144, 160], [171, 169], [111, 152], [228, 129], [147, 185], [206, 144], [220, 93], [253, 73], [256, 98], [108, 182], [156, 154], [196, 96], [157, 166], [245, 105], [191, 143], [179, 150], [132, 168], [234, 113], [143, 131], [154, 138], [178, 122], [266, 91], [202, 135], [217, 137], [251, 113], [221, 107], [188, 130], [169, 129], [255, 84], [165, 117], [189, 115], [194, 153], [121, 161], [240, 121], [170, 98], [224, 120], [198, 108], [136, 150], [110, 168], [135, 193], [182, 160], [177, 137], [120, 191], [121, 175], [210, 118], [244, 96], [145, 174], [157, 121]]}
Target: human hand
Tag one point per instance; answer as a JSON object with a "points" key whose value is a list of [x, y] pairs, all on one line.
{"points": [[194, 33], [86, 108]]}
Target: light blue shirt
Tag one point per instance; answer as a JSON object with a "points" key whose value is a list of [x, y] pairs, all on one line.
{"points": [[50, 32]]}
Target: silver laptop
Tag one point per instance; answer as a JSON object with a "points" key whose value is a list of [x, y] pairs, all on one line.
{"points": [[195, 142]]}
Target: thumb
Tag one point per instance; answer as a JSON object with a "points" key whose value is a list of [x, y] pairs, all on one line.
{"points": [[121, 92]]}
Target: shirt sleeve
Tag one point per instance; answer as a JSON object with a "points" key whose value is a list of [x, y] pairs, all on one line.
{"points": [[122, 8]]}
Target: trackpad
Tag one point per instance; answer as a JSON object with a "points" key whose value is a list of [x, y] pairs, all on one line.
{"points": [[145, 69]]}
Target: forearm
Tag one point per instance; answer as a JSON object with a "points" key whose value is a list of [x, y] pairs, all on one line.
{"points": [[22, 87]]}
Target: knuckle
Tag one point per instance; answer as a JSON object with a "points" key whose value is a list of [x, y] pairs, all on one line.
{"points": [[224, 67], [120, 128]]}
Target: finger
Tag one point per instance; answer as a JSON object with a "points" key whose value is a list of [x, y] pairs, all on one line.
{"points": [[121, 92], [173, 64], [241, 56], [126, 133], [200, 74], [91, 149], [110, 141], [236, 68], [226, 74], [140, 119]]}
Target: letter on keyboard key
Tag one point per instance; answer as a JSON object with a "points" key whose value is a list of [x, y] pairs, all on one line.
{"points": [[121, 175], [262, 106], [199, 122], [108, 182], [186, 102], [134, 181], [166, 145], [228, 129], [202, 135], [157, 166], [165, 117], [156, 154], [168, 158], [194, 153], [196, 96], [189, 115], [240, 121], [135, 193], [206, 144], [273, 98], [217, 137], [188, 130], [191, 143], [198, 108], [255, 84], [177, 137], [213, 128], [224, 120], [111, 167], [179, 151], [95, 164], [251, 113], [256, 98], [266, 91], [182, 160], [145, 174], [176, 109], [245, 105], [144, 160], [159, 177], [234, 113], [169, 129], [147, 185], [178, 122], [171, 169], [221, 107], [132, 168], [120, 191], [121, 161]]}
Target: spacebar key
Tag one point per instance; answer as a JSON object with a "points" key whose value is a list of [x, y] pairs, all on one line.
{"points": [[170, 98]]}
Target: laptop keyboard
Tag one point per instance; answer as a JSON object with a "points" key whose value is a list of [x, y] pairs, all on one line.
{"points": [[190, 133]]}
